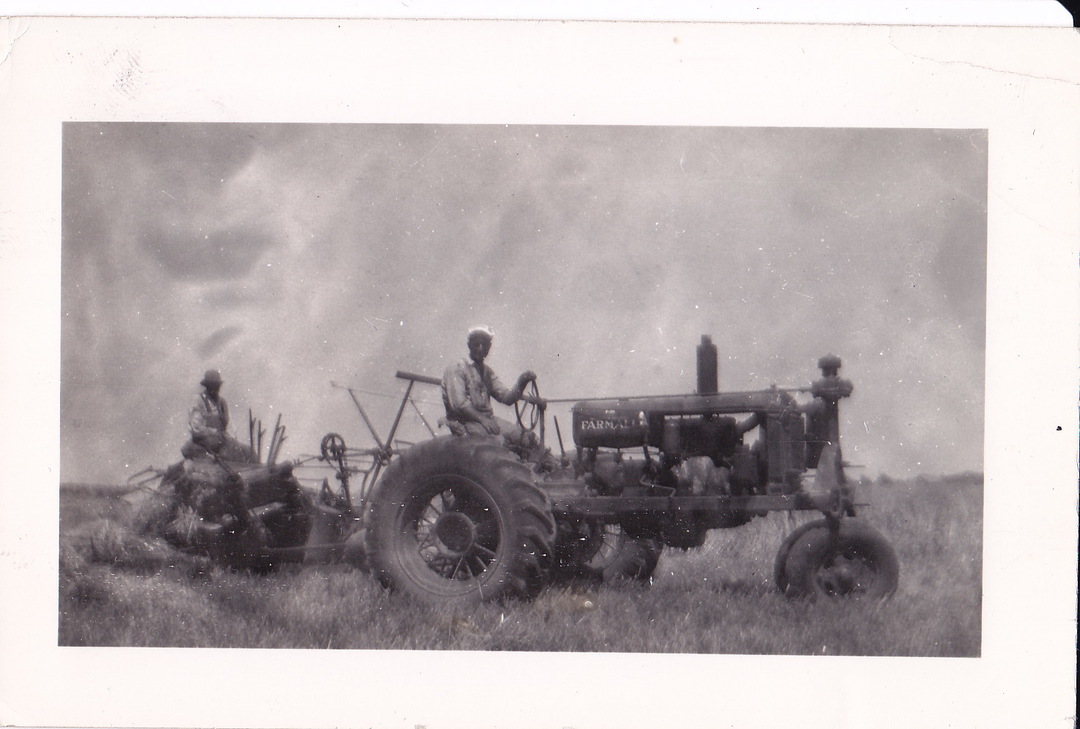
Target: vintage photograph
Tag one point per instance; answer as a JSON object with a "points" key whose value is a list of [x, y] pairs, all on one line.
{"points": [[437, 373], [590, 388]]}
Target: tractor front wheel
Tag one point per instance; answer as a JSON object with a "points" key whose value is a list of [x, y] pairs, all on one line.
{"points": [[850, 559], [780, 565], [456, 521]]}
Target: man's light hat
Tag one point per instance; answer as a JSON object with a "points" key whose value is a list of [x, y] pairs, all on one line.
{"points": [[485, 330]]}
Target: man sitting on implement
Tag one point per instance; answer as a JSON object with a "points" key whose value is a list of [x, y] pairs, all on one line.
{"points": [[468, 386], [209, 421]]}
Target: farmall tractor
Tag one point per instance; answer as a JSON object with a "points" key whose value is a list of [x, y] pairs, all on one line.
{"points": [[460, 519]]}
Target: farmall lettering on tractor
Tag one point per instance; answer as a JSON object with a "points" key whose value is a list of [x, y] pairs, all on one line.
{"points": [[463, 519]]}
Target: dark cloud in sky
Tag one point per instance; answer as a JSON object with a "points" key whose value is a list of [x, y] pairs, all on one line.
{"points": [[293, 255], [225, 254], [212, 345]]}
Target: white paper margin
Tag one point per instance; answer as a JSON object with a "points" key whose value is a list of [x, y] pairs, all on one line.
{"points": [[1020, 84]]}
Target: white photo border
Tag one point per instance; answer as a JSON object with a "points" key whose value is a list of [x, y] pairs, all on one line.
{"points": [[1019, 84]]}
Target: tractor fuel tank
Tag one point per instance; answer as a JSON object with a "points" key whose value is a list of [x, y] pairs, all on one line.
{"points": [[605, 425], [636, 421]]}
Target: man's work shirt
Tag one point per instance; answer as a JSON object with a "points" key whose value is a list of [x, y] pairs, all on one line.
{"points": [[208, 418], [466, 384]]}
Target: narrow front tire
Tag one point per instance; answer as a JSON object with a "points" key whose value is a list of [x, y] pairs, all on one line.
{"points": [[848, 559]]}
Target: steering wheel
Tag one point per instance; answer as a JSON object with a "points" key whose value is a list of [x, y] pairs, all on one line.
{"points": [[530, 414]]}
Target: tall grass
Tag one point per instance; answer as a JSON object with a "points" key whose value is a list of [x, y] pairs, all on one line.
{"points": [[717, 599]]}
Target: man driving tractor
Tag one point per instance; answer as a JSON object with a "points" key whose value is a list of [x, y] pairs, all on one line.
{"points": [[468, 386]]}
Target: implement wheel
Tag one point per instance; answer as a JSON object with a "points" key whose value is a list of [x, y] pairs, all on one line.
{"points": [[621, 557], [606, 551], [458, 520], [852, 560]]}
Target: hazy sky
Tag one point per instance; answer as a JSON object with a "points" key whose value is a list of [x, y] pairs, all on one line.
{"points": [[290, 256]]}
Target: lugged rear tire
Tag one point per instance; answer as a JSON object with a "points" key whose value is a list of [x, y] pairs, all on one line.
{"points": [[457, 521]]}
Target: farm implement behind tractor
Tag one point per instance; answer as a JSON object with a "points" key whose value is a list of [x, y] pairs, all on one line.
{"points": [[461, 519]]}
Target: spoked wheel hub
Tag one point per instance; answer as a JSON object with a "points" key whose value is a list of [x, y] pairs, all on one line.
{"points": [[457, 533]]}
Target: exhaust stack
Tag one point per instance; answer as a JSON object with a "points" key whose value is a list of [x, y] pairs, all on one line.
{"points": [[707, 367]]}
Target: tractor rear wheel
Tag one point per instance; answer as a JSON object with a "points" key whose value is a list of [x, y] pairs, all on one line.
{"points": [[457, 520], [851, 560]]}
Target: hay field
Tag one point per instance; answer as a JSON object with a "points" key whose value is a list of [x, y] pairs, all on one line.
{"points": [[716, 599]]}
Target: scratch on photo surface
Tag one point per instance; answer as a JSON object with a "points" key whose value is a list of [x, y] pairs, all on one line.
{"points": [[427, 154], [970, 64], [11, 44]]}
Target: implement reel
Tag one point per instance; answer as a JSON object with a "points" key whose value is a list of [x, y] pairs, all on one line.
{"points": [[332, 450]]}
